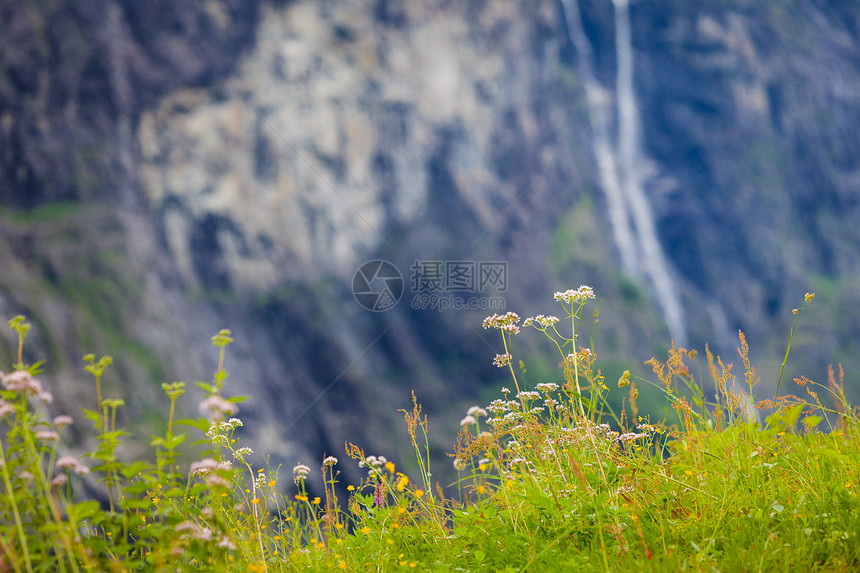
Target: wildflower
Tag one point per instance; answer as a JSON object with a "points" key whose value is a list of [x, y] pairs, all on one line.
{"points": [[528, 395], [203, 466], [225, 465], [624, 380], [516, 461], [476, 411], [505, 391], [47, 435], [67, 462], [390, 467], [537, 409], [261, 480], [459, 464], [379, 494], [225, 543], [507, 322], [498, 407], [547, 387], [6, 408], [234, 423], [63, 420], [402, 482], [82, 470], [419, 493], [546, 321], [809, 296], [630, 437], [26, 475], [217, 404], [242, 452], [330, 461], [59, 480], [502, 360], [468, 420], [46, 397], [300, 472], [23, 382], [579, 296]]}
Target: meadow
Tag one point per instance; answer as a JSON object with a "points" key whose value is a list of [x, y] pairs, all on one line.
{"points": [[550, 477]]}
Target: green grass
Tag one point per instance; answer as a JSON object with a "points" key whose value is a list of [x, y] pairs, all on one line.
{"points": [[550, 478]]}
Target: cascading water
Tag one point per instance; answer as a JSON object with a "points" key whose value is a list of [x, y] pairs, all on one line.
{"points": [[621, 179]]}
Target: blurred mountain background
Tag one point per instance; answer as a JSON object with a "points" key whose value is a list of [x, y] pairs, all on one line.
{"points": [[168, 169]]}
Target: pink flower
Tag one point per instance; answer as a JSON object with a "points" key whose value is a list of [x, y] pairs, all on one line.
{"points": [[22, 381], [218, 404]]}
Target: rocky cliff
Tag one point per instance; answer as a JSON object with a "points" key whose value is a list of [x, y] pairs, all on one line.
{"points": [[172, 169]]}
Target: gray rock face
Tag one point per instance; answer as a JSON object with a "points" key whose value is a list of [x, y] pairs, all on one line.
{"points": [[232, 163]]}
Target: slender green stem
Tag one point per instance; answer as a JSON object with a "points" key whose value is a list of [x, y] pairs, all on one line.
{"points": [[14, 503]]}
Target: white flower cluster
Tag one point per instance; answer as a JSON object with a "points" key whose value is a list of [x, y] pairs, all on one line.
{"points": [[579, 296], [498, 406], [329, 461], [507, 322], [217, 432], [260, 481], [241, 453], [373, 464], [300, 472], [547, 387], [502, 360], [528, 395], [468, 421], [544, 321]]}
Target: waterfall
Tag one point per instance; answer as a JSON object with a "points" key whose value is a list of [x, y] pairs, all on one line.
{"points": [[600, 111], [620, 170]]}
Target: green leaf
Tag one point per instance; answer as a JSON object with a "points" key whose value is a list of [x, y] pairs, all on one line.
{"points": [[201, 424], [175, 441], [208, 388], [137, 467], [91, 416], [83, 510]]}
